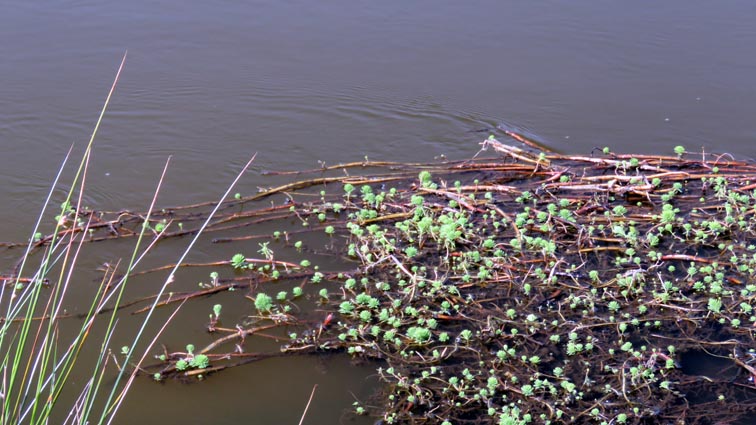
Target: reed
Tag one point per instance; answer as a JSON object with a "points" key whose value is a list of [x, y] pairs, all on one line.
{"points": [[37, 357], [36, 363]]}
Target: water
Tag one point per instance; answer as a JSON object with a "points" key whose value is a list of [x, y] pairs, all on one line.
{"points": [[299, 82]]}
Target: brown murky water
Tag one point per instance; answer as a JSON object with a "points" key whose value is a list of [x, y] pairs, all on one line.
{"points": [[210, 83]]}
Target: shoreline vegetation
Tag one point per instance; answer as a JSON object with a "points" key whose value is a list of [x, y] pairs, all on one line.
{"points": [[510, 288], [43, 377]]}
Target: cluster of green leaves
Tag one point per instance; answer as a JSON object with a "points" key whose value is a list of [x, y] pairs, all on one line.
{"points": [[491, 303]]}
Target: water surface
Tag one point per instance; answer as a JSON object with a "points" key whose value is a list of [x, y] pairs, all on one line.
{"points": [[298, 82]]}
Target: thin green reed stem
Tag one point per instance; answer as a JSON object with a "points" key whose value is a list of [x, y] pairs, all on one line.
{"points": [[15, 308], [63, 368], [48, 346], [129, 269], [110, 409], [81, 174], [70, 355], [88, 402], [12, 403], [30, 304]]}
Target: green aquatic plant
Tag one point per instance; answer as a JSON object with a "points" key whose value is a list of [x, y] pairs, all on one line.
{"points": [[239, 261], [200, 361], [266, 251], [263, 303], [161, 226]]}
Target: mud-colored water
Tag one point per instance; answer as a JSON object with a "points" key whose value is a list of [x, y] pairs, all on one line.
{"points": [[211, 83]]}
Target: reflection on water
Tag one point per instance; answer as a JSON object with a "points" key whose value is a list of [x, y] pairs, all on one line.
{"points": [[300, 82]]}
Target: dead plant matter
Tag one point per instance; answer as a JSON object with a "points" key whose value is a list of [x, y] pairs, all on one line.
{"points": [[522, 288]]}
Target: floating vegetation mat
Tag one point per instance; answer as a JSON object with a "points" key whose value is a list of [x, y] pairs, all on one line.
{"points": [[518, 289]]}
